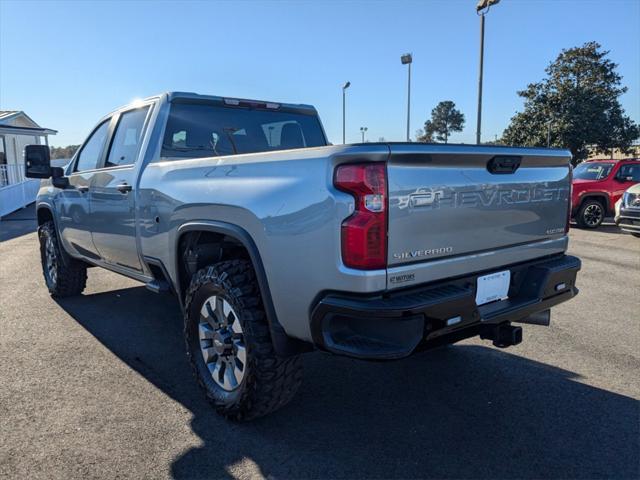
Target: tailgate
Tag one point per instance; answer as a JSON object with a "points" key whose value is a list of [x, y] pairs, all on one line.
{"points": [[447, 201]]}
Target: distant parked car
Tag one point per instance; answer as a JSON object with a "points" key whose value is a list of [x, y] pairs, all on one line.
{"points": [[628, 211], [597, 186]]}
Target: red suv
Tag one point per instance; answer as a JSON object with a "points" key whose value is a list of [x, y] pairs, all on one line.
{"points": [[597, 186]]}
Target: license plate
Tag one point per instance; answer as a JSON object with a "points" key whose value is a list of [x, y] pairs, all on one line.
{"points": [[492, 287]]}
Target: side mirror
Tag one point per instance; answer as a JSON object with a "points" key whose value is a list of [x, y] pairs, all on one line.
{"points": [[37, 162], [58, 179]]}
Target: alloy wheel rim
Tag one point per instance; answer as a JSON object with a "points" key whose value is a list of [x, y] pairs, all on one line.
{"points": [[51, 261], [593, 215], [222, 343]]}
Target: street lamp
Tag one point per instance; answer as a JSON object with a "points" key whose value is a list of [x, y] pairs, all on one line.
{"points": [[344, 90], [362, 131], [407, 59], [482, 8]]}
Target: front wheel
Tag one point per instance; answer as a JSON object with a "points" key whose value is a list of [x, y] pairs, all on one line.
{"points": [[591, 214], [64, 277], [229, 345]]}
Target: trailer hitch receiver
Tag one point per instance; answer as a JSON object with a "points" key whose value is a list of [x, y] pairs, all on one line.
{"points": [[503, 335]]}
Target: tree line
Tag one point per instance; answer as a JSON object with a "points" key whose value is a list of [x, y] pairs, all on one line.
{"points": [[576, 106], [63, 152]]}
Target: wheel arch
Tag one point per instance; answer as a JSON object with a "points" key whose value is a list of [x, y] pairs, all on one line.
{"points": [[602, 197], [44, 213], [282, 343]]}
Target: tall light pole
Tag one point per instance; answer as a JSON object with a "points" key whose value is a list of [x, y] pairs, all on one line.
{"points": [[344, 116], [482, 8], [407, 59], [362, 131]]}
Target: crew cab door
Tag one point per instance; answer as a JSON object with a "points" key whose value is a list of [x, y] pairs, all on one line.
{"points": [[73, 204], [113, 219]]}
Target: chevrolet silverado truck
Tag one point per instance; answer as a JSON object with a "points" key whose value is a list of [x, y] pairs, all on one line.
{"points": [[276, 243], [597, 187]]}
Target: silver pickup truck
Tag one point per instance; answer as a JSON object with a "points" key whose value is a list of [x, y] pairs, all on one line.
{"points": [[276, 243]]}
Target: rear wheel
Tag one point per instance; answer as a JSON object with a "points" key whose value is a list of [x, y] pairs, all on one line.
{"points": [[229, 345], [66, 276], [591, 214]]}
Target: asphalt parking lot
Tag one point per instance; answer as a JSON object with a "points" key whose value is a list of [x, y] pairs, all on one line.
{"points": [[98, 386]]}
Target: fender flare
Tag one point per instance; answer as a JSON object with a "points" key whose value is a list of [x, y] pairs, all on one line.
{"points": [[66, 258], [47, 206], [283, 344], [598, 195]]}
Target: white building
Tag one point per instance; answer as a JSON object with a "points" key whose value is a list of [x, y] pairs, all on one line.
{"points": [[16, 131]]}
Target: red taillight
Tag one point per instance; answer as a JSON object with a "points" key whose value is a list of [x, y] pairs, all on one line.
{"points": [[364, 233]]}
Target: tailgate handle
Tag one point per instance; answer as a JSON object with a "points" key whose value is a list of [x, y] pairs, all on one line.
{"points": [[501, 164]]}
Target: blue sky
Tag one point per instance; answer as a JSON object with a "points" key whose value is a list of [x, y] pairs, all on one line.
{"points": [[68, 63]]}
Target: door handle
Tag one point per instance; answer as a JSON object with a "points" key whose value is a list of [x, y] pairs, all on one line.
{"points": [[82, 188], [124, 187]]}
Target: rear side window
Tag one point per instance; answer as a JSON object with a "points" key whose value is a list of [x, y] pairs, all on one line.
{"points": [[632, 171], [203, 130], [126, 140], [89, 156]]}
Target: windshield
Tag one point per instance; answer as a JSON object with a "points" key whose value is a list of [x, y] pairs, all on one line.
{"points": [[592, 171], [203, 130]]}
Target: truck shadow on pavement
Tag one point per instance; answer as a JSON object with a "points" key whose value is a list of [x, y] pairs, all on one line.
{"points": [[465, 411]]}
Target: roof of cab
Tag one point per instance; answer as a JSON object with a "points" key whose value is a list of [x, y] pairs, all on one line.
{"points": [[196, 97]]}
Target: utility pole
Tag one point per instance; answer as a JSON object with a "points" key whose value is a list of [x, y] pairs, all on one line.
{"points": [[344, 109], [482, 8], [407, 59]]}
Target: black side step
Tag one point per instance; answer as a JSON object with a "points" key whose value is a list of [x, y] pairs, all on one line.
{"points": [[160, 282]]}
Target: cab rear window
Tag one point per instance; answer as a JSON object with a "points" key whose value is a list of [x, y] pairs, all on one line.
{"points": [[204, 130]]}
